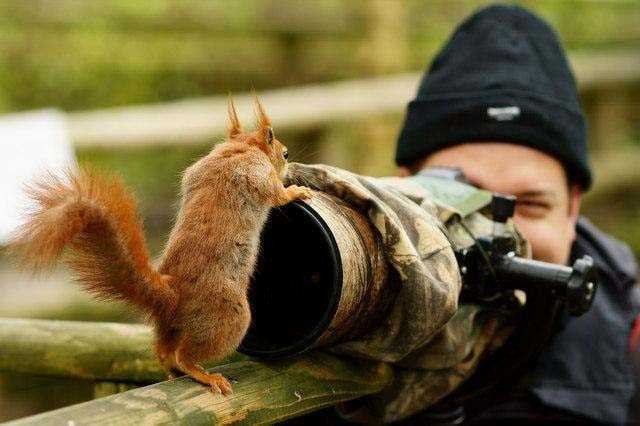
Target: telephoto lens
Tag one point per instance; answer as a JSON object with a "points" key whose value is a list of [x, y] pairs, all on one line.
{"points": [[321, 278]]}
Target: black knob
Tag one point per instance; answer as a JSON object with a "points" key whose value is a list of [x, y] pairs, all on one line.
{"points": [[582, 286], [575, 285]]}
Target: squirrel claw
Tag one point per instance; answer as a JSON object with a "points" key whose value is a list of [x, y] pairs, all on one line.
{"points": [[300, 192], [218, 384], [306, 193]]}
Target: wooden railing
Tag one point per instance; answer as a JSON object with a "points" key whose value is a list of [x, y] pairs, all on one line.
{"points": [[306, 106], [117, 357]]}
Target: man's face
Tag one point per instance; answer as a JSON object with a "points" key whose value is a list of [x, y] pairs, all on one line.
{"points": [[546, 210]]}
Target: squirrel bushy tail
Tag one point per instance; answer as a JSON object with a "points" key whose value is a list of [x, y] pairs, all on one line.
{"points": [[95, 217]]}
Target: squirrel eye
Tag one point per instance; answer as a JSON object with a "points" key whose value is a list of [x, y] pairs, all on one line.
{"points": [[269, 135], [285, 154]]}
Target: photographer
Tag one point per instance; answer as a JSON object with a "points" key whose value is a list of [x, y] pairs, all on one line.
{"points": [[500, 103]]}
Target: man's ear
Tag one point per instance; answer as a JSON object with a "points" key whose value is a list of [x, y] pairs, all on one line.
{"points": [[575, 194], [235, 128]]}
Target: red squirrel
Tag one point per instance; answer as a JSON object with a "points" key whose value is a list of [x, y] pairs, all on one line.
{"points": [[197, 298]]}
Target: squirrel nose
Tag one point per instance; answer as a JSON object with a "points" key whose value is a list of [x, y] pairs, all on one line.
{"points": [[285, 154]]}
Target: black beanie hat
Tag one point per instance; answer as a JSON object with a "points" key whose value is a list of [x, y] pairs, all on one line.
{"points": [[501, 77]]}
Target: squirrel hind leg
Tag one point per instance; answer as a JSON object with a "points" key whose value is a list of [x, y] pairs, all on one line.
{"points": [[216, 382], [166, 353], [168, 363]]}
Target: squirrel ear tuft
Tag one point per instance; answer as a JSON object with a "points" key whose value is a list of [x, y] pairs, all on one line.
{"points": [[235, 128], [262, 119]]}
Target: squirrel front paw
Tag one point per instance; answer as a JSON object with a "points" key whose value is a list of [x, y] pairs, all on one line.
{"points": [[296, 192]]}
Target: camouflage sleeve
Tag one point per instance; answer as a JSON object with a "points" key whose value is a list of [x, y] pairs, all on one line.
{"points": [[433, 344]]}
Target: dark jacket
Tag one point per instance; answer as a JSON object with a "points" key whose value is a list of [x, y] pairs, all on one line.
{"points": [[586, 372]]}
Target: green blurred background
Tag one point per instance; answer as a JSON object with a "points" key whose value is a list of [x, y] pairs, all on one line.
{"points": [[78, 55], [84, 55]]}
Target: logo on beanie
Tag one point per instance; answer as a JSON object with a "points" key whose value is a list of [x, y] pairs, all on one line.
{"points": [[503, 113]]}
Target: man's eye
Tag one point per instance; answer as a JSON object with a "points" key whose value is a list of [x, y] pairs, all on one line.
{"points": [[529, 203], [532, 208]]}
